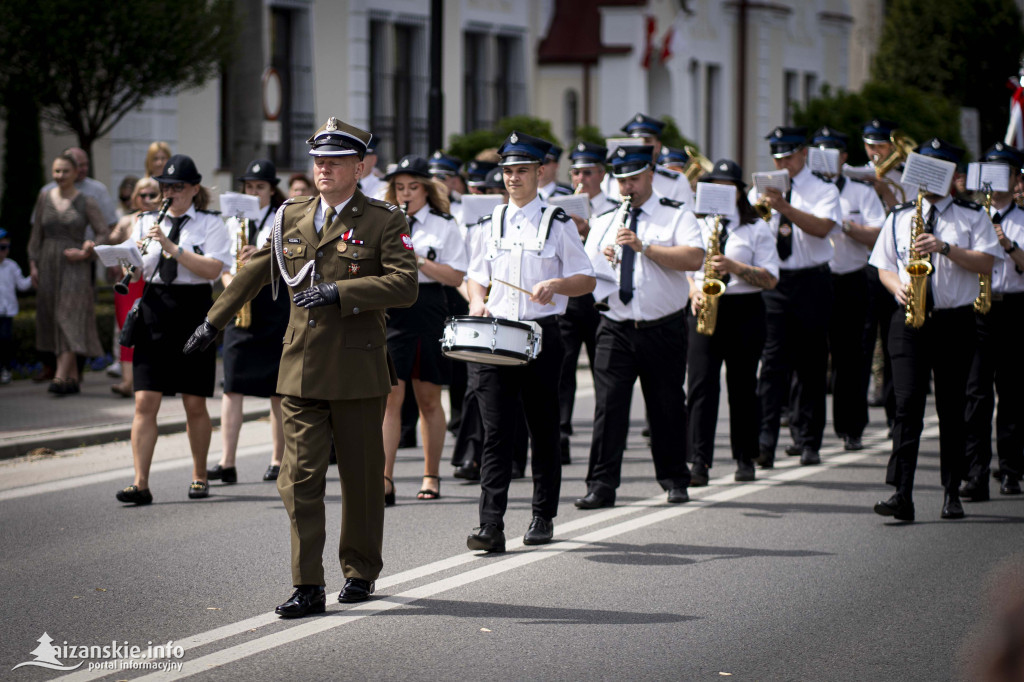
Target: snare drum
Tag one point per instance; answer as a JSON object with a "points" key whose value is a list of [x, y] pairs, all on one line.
{"points": [[490, 340]]}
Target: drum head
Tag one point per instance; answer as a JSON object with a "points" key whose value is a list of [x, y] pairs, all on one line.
{"points": [[498, 357]]}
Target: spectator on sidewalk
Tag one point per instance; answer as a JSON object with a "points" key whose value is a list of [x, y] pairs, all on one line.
{"points": [[156, 158], [11, 282]]}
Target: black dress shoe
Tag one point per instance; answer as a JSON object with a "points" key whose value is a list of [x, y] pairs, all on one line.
{"points": [[951, 507], [1010, 485], [306, 599], [467, 472], [975, 490], [744, 471], [698, 474], [853, 443], [356, 589], [540, 532], [487, 538], [594, 500], [678, 496], [794, 450], [997, 474], [809, 457], [896, 506], [389, 497], [765, 458], [197, 490], [223, 474], [272, 472], [132, 495], [566, 457]]}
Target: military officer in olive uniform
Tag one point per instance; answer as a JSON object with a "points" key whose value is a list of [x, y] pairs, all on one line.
{"points": [[346, 258]]}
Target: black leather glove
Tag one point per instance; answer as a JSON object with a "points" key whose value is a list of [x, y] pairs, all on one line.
{"points": [[201, 338], [321, 294]]}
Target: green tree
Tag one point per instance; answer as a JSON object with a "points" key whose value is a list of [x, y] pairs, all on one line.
{"points": [[960, 49], [468, 145], [919, 114]]}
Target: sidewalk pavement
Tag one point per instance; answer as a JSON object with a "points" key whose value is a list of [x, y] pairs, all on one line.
{"points": [[31, 418]]}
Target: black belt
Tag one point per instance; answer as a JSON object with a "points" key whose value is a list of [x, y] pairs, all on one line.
{"points": [[805, 271], [433, 285], [644, 324], [1012, 296]]}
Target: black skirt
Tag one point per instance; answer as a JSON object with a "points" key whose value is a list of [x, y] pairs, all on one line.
{"points": [[168, 316], [414, 337], [252, 356]]}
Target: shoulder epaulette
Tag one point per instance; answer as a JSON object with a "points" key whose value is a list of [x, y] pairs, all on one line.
{"points": [[610, 210], [483, 219], [823, 177], [665, 201], [562, 189], [446, 216], [615, 202], [560, 215], [862, 181], [383, 204], [667, 172], [298, 200], [905, 204], [211, 212], [974, 206]]}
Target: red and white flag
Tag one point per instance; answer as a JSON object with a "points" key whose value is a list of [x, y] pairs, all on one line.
{"points": [[1015, 129], [649, 48]]}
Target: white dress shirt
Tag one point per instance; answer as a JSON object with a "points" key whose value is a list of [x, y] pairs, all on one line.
{"points": [[203, 233], [11, 281], [601, 203], [956, 223], [562, 256], [860, 204], [433, 231], [1005, 277], [750, 243], [321, 212], [813, 195], [657, 291]]}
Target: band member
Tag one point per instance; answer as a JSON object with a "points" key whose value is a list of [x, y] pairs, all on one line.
{"points": [[189, 250], [799, 308], [960, 241], [998, 346], [446, 169], [863, 214], [252, 347], [673, 159], [643, 333], [346, 259], [414, 333], [877, 137], [476, 172], [578, 325], [372, 183], [667, 183], [747, 264], [549, 174], [539, 250]]}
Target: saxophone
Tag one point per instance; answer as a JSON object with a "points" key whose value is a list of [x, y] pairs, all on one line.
{"points": [[244, 316], [919, 267], [713, 287], [983, 303]]}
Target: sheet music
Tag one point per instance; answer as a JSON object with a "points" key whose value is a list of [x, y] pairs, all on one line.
{"points": [[574, 204], [713, 199], [234, 204], [859, 172], [114, 255], [613, 143], [995, 175], [476, 206], [824, 161], [778, 179], [928, 173]]}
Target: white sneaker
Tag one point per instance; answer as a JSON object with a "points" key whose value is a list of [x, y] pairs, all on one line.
{"points": [[114, 370], [5, 376]]}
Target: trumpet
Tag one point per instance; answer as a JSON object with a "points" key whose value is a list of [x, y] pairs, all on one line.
{"points": [[713, 287], [122, 286], [244, 316], [903, 145], [763, 210], [983, 304], [697, 165], [919, 267]]}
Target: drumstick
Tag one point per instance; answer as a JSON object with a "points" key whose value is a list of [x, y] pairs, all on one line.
{"points": [[513, 286]]}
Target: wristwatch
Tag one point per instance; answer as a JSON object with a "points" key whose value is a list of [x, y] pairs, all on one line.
{"points": [[846, 227], [643, 247], [420, 260], [1012, 248], [945, 249]]}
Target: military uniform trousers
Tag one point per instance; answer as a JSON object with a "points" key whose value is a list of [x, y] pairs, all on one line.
{"points": [[578, 327], [997, 369], [738, 341], [795, 358], [654, 352], [355, 426], [944, 345], [846, 346], [881, 305], [504, 394]]}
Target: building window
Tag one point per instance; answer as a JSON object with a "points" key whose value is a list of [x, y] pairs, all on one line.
{"points": [[475, 115], [494, 78], [291, 56], [398, 88], [509, 86], [572, 115], [792, 95], [713, 108], [810, 87]]}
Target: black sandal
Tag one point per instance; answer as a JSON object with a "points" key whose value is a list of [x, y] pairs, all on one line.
{"points": [[427, 494], [389, 498]]}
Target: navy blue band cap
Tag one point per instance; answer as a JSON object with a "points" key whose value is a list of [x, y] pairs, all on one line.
{"points": [[180, 168], [878, 130], [261, 170], [642, 125], [411, 165], [337, 138], [476, 171], [443, 164], [728, 170], [940, 149], [830, 138], [673, 155], [587, 154], [554, 154], [1001, 152], [3, 233], [785, 140], [629, 160], [520, 148], [494, 180]]}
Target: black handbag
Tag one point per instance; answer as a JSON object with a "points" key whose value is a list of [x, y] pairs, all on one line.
{"points": [[127, 338]]}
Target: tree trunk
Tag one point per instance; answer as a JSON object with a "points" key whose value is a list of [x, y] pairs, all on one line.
{"points": [[23, 170]]}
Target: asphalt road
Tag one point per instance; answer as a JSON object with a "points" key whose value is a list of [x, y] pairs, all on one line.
{"points": [[788, 578]]}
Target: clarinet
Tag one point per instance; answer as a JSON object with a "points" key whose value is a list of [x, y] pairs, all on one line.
{"points": [[122, 286]]}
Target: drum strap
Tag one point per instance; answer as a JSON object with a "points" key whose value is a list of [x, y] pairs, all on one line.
{"points": [[516, 246]]}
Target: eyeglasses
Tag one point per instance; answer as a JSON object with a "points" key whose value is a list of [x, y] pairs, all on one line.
{"points": [[176, 187], [585, 172], [148, 195]]}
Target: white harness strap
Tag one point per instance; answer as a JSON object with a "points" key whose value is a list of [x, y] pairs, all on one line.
{"points": [[516, 246]]}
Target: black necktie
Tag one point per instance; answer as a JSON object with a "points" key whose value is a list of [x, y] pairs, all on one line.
{"points": [[628, 256], [840, 183], [929, 223], [784, 238], [412, 224], [723, 236], [168, 267]]}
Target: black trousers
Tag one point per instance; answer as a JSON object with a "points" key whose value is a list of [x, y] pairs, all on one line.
{"points": [[457, 387], [657, 356], [881, 306], [578, 327], [944, 346], [797, 316], [505, 392], [997, 369], [738, 341], [469, 437], [846, 345]]}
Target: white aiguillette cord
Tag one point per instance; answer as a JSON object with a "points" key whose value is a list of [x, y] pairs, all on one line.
{"points": [[278, 258]]}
